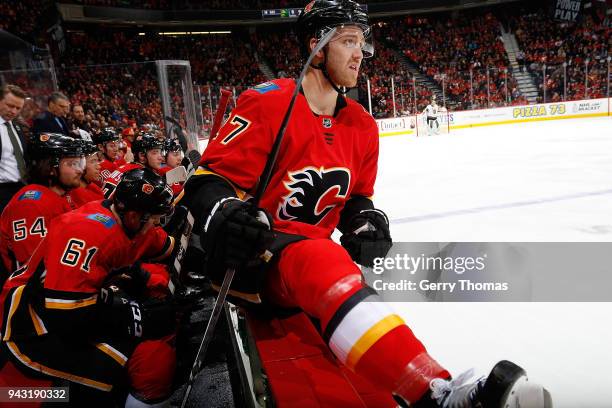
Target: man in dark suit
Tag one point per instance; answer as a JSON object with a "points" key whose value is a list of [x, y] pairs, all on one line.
{"points": [[12, 143], [53, 120]]}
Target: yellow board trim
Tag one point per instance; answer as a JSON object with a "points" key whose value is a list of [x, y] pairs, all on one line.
{"points": [[16, 298], [55, 373], [398, 133], [536, 119], [370, 337], [49, 304], [109, 351], [502, 122]]}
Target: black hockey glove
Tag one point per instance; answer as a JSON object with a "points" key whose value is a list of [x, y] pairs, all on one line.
{"points": [[150, 319], [132, 280], [176, 222], [368, 236], [236, 234]]}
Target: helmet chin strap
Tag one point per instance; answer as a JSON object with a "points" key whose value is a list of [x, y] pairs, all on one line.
{"points": [[323, 68]]}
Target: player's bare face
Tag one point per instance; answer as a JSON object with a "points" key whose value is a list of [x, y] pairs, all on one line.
{"points": [[92, 168], [173, 159], [155, 219], [70, 171], [132, 222], [110, 150], [152, 221], [345, 55], [154, 158]]}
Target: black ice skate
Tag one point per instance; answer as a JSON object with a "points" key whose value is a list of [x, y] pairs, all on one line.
{"points": [[506, 386]]}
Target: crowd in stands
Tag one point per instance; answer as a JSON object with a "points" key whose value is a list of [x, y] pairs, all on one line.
{"points": [[214, 58], [286, 64], [447, 48], [113, 75], [113, 83], [443, 48], [378, 70], [547, 44], [22, 17]]}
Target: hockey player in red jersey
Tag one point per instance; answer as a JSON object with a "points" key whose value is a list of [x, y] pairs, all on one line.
{"points": [[55, 166], [89, 190], [323, 179], [147, 150], [173, 155], [108, 143], [68, 316]]}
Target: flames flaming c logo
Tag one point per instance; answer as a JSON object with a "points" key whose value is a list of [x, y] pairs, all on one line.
{"points": [[313, 193]]}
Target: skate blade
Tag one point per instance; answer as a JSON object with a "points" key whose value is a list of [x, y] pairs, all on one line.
{"points": [[526, 394]]}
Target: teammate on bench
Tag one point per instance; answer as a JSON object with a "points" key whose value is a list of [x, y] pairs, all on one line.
{"points": [[70, 315]]}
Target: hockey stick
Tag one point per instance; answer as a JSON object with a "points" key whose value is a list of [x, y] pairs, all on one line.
{"points": [[261, 188], [221, 108]]}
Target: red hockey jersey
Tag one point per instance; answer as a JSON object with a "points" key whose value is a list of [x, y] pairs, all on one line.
{"points": [[81, 248], [322, 162], [25, 221], [111, 181], [107, 168], [84, 195]]}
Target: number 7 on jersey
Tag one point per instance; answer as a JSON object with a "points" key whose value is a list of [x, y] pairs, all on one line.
{"points": [[241, 123]]}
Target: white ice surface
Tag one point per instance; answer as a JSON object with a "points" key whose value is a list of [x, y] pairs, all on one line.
{"points": [[539, 181], [565, 346], [542, 181]]}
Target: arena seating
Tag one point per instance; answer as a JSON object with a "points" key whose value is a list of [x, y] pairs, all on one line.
{"points": [[111, 71], [549, 43]]}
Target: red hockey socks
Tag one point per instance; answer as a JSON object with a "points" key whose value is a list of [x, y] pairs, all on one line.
{"points": [[371, 340]]}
